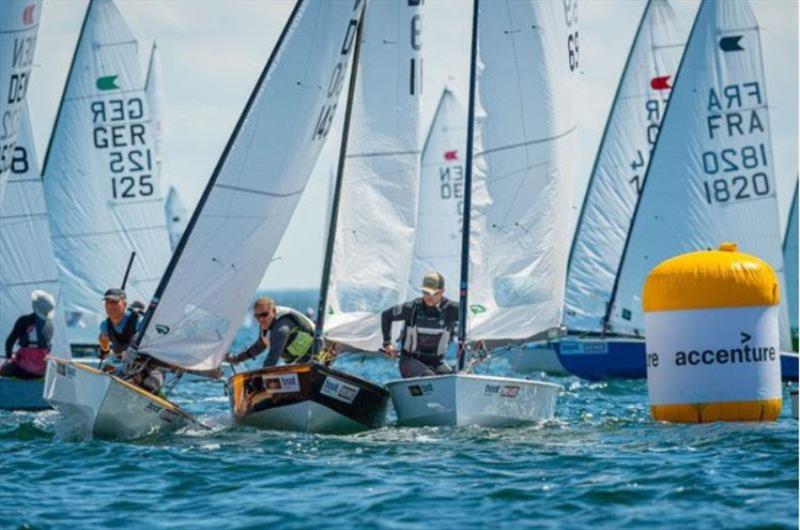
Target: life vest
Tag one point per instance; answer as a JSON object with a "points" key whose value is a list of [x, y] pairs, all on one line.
{"points": [[32, 355], [122, 339], [301, 336], [426, 334]]}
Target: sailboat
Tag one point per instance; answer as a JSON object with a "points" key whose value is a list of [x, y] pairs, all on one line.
{"points": [[372, 212], [584, 346], [26, 263], [235, 229], [19, 26], [100, 175], [176, 216], [520, 135], [711, 178]]}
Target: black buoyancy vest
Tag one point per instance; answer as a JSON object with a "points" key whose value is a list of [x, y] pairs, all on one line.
{"points": [[426, 331], [121, 340]]}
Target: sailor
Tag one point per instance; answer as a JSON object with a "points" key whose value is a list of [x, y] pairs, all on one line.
{"points": [[34, 334], [118, 331], [429, 323], [287, 333]]}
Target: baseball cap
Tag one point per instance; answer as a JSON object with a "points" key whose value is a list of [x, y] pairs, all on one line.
{"points": [[432, 282], [114, 294]]}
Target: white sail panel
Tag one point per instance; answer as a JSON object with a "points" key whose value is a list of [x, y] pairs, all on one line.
{"points": [[711, 178], [377, 211], [790, 262], [437, 242], [176, 217], [100, 178], [522, 167], [19, 26], [154, 87], [620, 166], [26, 254], [254, 190]]}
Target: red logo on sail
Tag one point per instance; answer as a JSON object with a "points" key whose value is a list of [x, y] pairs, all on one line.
{"points": [[660, 83], [27, 14], [451, 155]]}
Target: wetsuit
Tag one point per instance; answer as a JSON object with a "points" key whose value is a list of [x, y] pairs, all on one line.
{"points": [[427, 332], [29, 331], [289, 337]]}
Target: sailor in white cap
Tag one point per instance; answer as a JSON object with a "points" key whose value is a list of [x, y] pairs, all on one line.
{"points": [[33, 334]]}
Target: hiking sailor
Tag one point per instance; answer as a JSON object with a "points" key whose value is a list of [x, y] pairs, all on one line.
{"points": [[34, 334], [429, 323], [287, 333]]}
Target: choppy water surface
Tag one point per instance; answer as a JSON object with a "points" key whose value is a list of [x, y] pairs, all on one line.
{"points": [[602, 463]]}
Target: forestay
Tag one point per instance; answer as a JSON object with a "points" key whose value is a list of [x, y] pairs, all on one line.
{"points": [[176, 216], [377, 210], [26, 255], [621, 163], [437, 242], [790, 260], [19, 26], [154, 88], [253, 192], [711, 177], [522, 167], [100, 175]]}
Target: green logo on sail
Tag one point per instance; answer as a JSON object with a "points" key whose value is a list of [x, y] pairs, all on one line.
{"points": [[108, 82], [477, 309]]}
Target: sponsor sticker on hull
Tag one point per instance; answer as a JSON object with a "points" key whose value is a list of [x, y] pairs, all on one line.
{"points": [[339, 390], [578, 348], [423, 389], [504, 391], [281, 384]]}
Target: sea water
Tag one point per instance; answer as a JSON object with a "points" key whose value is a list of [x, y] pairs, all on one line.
{"points": [[601, 463]]}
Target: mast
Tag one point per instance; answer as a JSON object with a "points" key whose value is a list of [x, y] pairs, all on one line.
{"points": [[462, 307], [64, 91], [611, 299], [334, 212], [603, 138], [176, 255]]}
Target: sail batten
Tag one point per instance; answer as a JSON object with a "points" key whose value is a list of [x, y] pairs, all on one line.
{"points": [[243, 212]]}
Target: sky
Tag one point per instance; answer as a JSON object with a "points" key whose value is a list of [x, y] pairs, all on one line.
{"points": [[213, 51]]}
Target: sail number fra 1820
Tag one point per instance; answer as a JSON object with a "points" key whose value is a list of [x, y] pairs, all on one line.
{"points": [[738, 174]]}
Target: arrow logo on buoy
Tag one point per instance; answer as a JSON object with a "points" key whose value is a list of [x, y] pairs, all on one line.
{"points": [[745, 337], [731, 44]]}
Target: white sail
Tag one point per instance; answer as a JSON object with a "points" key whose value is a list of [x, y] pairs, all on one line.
{"points": [[100, 175], [522, 167], [26, 254], [790, 262], [711, 177], [437, 243], [377, 210], [177, 218], [620, 166], [253, 192], [19, 26], [154, 87]]}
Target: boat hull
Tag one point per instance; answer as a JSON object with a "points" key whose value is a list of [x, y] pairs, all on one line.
{"points": [[598, 359], [96, 403], [467, 399], [306, 398], [534, 358], [22, 394]]}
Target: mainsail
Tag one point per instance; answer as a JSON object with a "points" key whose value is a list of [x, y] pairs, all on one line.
{"points": [[527, 60], [790, 262], [620, 165], [176, 217], [244, 210], [26, 255], [100, 176], [377, 210], [711, 176], [154, 88], [19, 26], [437, 242]]}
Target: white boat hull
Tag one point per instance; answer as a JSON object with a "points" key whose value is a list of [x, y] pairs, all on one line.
{"points": [[467, 399], [532, 358], [98, 404], [22, 394]]}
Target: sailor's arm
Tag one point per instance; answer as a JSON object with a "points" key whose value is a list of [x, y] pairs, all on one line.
{"points": [[278, 337], [252, 352], [393, 314], [13, 337]]}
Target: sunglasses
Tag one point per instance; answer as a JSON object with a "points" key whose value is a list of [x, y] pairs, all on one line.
{"points": [[261, 315]]}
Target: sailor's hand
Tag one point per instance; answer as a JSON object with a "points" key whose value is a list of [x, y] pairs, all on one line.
{"points": [[103, 355], [390, 350]]}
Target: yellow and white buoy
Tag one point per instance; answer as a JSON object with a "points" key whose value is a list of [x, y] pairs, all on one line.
{"points": [[713, 353]]}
